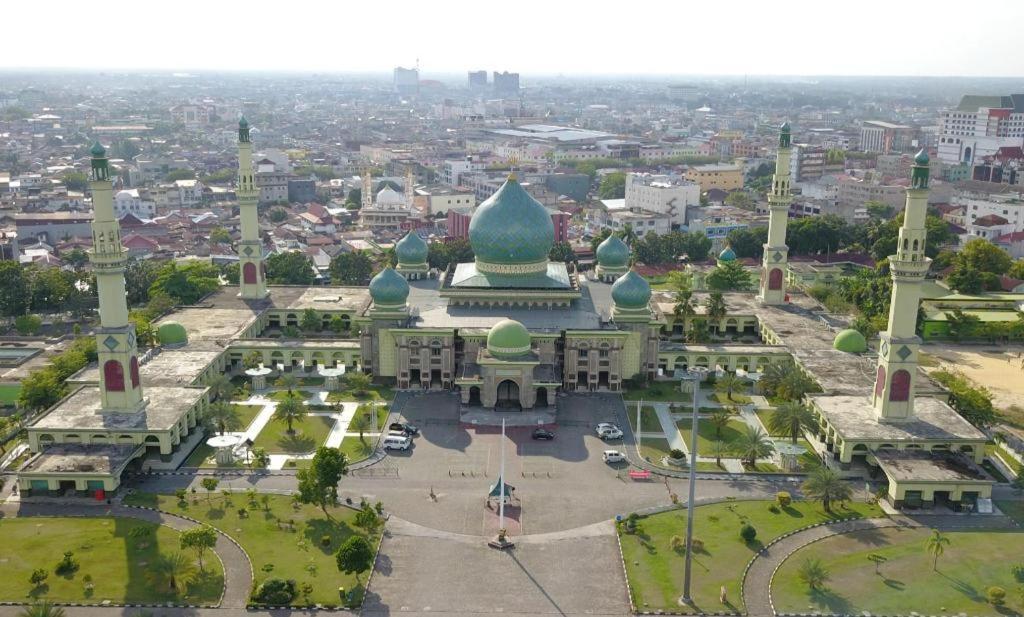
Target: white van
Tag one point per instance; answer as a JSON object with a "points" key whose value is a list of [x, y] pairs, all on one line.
{"points": [[397, 442]]}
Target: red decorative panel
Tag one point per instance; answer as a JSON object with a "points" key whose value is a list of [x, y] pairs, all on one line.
{"points": [[134, 370], [880, 381], [775, 279], [249, 273], [900, 388], [113, 376]]}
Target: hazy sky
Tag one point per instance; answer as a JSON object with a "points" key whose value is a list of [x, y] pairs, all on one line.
{"points": [[786, 37]]}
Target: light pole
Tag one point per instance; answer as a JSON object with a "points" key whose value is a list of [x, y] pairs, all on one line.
{"points": [[693, 377]]}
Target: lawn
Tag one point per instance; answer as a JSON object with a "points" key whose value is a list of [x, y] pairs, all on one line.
{"points": [[9, 393], [310, 432], [993, 450], [656, 571], [648, 418], [738, 398], [356, 450], [246, 414], [282, 542], [115, 560], [1013, 509], [659, 392], [904, 579], [653, 449], [706, 433], [376, 392]]}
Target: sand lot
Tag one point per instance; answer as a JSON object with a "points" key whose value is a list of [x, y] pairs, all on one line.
{"points": [[998, 368]]}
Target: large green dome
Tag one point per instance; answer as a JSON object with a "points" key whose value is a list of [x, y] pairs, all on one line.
{"points": [[389, 288], [727, 254], [850, 341], [508, 338], [511, 229], [411, 249], [172, 333], [631, 291], [613, 252]]}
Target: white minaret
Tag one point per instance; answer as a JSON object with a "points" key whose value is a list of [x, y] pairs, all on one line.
{"points": [[252, 276], [367, 192], [120, 386], [772, 289], [893, 396], [410, 193]]}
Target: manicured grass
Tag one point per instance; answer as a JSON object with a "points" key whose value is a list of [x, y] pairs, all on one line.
{"points": [[765, 415], [9, 393], [280, 395], [738, 398], [658, 392], [971, 563], [282, 542], [706, 433], [653, 449], [356, 450], [648, 418], [202, 456], [117, 562], [656, 571], [1013, 509], [376, 392], [310, 432], [993, 450], [246, 414]]}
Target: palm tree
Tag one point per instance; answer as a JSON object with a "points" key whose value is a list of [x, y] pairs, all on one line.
{"points": [[936, 545], [753, 444], [259, 458], [220, 387], [41, 609], [719, 419], [224, 416], [814, 573], [361, 420], [715, 306], [173, 572], [792, 418], [826, 485], [719, 449], [358, 381], [287, 380], [728, 383], [289, 410]]}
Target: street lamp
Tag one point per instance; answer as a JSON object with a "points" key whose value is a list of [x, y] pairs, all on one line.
{"points": [[694, 376]]}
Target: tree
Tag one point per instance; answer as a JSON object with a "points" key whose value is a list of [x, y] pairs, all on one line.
{"points": [[1016, 270], [753, 443], [962, 325], [14, 289], [353, 268], [220, 387], [40, 390], [813, 573], [785, 381], [936, 546], [358, 382], [739, 199], [186, 284], [817, 234], [139, 276], [719, 449], [318, 485], [28, 324], [684, 309], [219, 235], [38, 577], [792, 418], [965, 280], [41, 609], [290, 410], [613, 186], [825, 485], [879, 210], [210, 484], [277, 215], [361, 420], [562, 251], [355, 556], [983, 256], [199, 539], [716, 310], [729, 276], [748, 241], [173, 572], [719, 419], [224, 416], [75, 181], [76, 258], [287, 380], [253, 359], [354, 201], [290, 268], [310, 321], [729, 383], [259, 458], [179, 174]]}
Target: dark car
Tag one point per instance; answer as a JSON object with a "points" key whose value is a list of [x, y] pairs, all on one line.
{"points": [[404, 427], [543, 433]]}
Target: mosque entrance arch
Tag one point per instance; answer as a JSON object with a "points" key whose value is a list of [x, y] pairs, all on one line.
{"points": [[508, 396]]}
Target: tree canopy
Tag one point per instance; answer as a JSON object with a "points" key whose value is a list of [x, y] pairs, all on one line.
{"points": [[352, 268], [290, 268], [318, 485], [186, 283]]}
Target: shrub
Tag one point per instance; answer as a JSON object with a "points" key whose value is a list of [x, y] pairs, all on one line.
{"points": [[774, 509], [67, 565], [39, 576], [783, 498], [677, 543], [995, 595], [275, 591], [748, 533], [697, 544], [676, 454], [366, 518], [325, 540], [631, 522], [1018, 572]]}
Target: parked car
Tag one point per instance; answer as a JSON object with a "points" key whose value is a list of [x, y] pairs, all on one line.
{"points": [[397, 442], [613, 456], [543, 433], [608, 431], [404, 427]]}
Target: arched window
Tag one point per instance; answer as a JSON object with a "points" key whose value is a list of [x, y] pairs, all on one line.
{"points": [[134, 371], [880, 381], [900, 389], [775, 279], [113, 376], [249, 273]]}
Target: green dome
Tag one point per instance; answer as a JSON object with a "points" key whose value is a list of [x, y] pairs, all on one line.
{"points": [[389, 288], [613, 252], [508, 338], [631, 291], [921, 158], [511, 228], [97, 150], [850, 341], [172, 333], [411, 249], [727, 254]]}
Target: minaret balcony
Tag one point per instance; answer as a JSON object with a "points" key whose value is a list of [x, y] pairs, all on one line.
{"points": [[909, 269]]}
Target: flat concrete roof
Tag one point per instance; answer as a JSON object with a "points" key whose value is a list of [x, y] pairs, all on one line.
{"points": [[81, 411], [921, 467], [170, 367], [81, 458], [854, 419]]}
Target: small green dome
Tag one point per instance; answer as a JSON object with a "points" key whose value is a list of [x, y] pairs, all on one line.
{"points": [[727, 254], [613, 252], [785, 127], [389, 288], [511, 228], [850, 341], [243, 123], [411, 249], [921, 158], [172, 333], [631, 291], [508, 338], [97, 150]]}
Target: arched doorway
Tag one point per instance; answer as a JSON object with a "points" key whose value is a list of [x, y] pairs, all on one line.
{"points": [[507, 396], [542, 397], [474, 396]]}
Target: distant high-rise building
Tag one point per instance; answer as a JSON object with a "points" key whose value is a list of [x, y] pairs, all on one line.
{"points": [[477, 80], [979, 126], [407, 81], [885, 137], [506, 83]]}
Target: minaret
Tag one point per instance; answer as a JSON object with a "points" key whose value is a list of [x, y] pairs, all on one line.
{"points": [[367, 192], [252, 277], [773, 264], [120, 387], [893, 396], [410, 193]]}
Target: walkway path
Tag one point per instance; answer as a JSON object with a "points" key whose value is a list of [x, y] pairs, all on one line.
{"points": [[668, 426], [237, 568]]}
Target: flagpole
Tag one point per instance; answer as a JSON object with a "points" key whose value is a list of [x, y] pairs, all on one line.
{"points": [[639, 429], [501, 481]]}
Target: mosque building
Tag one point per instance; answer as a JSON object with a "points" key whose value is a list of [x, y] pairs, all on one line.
{"points": [[507, 331]]}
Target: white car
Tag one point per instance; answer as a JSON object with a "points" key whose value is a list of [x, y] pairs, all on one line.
{"points": [[397, 442], [613, 456], [609, 431]]}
